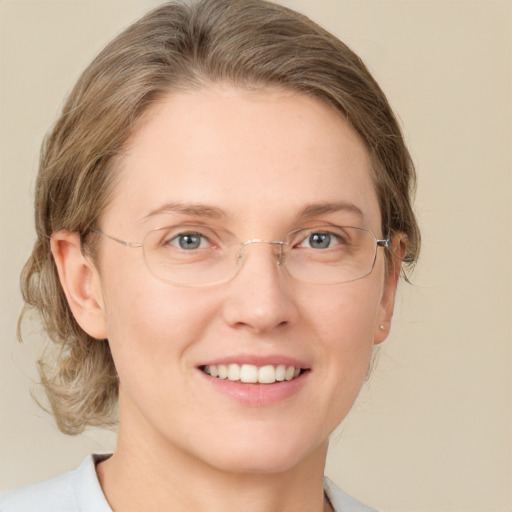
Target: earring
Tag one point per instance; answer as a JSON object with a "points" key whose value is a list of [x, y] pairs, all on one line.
{"points": [[381, 327]]}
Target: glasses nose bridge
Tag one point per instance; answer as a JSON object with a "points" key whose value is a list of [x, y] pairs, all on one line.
{"points": [[275, 243]]}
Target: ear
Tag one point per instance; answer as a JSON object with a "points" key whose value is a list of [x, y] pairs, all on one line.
{"points": [[387, 304], [80, 281]]}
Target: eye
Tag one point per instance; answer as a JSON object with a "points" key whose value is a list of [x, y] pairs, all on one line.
{"points": [[189, 241], [320, 240]]}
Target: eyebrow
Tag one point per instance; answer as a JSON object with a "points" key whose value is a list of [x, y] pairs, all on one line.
{"points": [[195, 209], [205, 210], [315, 209]]}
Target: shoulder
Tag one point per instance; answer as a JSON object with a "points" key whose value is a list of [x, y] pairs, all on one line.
{"points": [[75, 491], [341, 501], [52, 495]]}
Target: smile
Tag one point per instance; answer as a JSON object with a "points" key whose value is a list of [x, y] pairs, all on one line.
{"points": [[252, 374]]}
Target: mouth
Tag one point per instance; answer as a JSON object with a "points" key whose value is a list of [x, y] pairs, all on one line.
{"points": [[252, 374]]}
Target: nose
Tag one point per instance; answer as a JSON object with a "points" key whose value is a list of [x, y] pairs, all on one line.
{"points": [[259, 296]]}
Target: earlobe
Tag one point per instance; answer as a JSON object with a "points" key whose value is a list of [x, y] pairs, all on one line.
{"points": [[80, 281], [385, 314]]}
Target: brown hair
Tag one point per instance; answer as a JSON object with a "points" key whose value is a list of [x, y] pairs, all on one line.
{"points": [[180, 46]]}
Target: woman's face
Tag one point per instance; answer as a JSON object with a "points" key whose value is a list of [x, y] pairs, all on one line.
{"points": [[257, 164]]}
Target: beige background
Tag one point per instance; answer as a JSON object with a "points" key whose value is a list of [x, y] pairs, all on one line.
{"points": [[432, 432]]}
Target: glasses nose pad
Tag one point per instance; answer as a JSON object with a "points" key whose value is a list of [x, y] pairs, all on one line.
{"points": [[280, 253], [240, 258], [241, 254]]}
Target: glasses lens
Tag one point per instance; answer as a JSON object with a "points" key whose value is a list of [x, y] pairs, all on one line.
{"points": [[195, 255], [189, 255], [331, 254]]}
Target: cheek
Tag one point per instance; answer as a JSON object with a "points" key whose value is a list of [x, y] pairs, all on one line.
{"points": [[149, 323], [344, 321], [345, 315]]}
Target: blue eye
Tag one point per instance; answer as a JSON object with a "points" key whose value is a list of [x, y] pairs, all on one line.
{"points": [[189, 241], [319, 240], [332, 239]]}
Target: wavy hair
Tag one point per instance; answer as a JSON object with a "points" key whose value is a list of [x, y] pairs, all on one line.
{"points": [[182, 46]]}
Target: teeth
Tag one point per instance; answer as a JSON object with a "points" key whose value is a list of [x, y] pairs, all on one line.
{"points": [[223, 371], [233, 372], [253, 374], [267, 374], [288, 374], [248, 373]]}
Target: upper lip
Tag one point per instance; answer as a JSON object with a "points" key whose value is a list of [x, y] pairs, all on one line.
{"points": [[257, 360]]}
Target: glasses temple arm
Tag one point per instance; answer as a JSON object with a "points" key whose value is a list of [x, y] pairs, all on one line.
{"points": [[122, 242]]}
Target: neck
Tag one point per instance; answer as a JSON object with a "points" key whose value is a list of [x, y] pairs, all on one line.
{"points": [[154, 474]]}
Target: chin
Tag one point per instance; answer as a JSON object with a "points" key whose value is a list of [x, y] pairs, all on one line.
{"points": [[265, 453], [258, 464]]}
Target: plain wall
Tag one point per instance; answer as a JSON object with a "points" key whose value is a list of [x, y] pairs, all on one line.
{"points": [[432, 430]]}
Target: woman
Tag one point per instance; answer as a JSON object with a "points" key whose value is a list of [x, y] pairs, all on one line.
{"points": [[222, 209]]}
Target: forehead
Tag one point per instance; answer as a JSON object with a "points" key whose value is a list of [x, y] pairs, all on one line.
{"points": [[252, 154]]}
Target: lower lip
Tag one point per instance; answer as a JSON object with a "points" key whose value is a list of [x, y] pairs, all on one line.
{"points": [[257, 395]]}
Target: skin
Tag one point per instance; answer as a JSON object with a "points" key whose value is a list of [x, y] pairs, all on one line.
{"points": [[261, 157]]}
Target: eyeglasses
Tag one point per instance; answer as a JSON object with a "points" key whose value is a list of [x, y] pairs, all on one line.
{"points": [[200, 255]]}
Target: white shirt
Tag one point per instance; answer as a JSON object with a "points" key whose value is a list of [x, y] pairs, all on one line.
{"points": [[80, 491]]}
